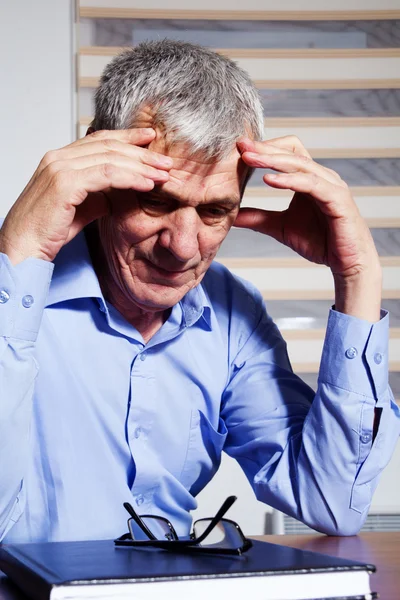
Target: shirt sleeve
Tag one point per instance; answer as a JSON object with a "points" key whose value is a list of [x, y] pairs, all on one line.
{"points": [[314, 455], [23, 293]]}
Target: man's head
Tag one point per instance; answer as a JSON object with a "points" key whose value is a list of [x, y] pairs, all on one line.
{"points": [[159, 244], [195, 96]]}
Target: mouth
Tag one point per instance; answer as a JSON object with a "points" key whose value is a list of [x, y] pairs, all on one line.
{"points": [[168, 274]]}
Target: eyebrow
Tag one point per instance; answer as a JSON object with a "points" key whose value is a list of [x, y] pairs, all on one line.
{"points": [[229, 202]]}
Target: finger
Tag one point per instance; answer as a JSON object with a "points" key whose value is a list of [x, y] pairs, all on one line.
{"points": [[95, 206], [115, 160], [246, 145], [294, 145], [77, 184], [269, 222], [106, 148], [333, 200], [140, 136], [290, 144], [149, 157], [289, 163]]}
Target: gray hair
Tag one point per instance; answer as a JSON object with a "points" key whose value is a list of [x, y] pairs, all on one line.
{"points": [[197, 96]]}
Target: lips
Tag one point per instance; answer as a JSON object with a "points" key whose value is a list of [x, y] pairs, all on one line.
{"points": [[167, 274]]}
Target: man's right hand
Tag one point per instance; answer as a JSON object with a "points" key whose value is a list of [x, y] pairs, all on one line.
{"points": [[69, 190]]}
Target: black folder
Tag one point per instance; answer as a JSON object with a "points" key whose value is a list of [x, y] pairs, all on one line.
{"points": [[99, 569]]}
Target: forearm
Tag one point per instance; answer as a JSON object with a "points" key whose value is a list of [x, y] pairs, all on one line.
{"points": [[314, 456], [24, 291], [360, 295], [339, 460]]}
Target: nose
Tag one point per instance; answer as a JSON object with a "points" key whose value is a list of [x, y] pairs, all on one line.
{"points": [[180, 235]]}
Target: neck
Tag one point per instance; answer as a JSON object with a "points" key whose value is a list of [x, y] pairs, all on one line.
{"points": [[146, 322]]}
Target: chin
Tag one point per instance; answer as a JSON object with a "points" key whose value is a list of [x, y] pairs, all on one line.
{"points": [[159, 298]]}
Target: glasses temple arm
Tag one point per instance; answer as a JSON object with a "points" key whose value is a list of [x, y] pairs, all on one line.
{"points": [[139, 521], [224, 508]]}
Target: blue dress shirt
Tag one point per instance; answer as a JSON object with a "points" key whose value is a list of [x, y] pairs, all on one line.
{"points": [[91, 416]]}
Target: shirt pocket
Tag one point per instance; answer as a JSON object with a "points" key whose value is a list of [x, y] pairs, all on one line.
{"points": [[203, 455]]}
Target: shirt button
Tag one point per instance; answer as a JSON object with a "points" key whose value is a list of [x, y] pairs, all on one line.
{"points": [[365, 438], [4, 296], [137, 432], [143, 356], [351, 352], [27, 301], [139, 499], [378, 358]]}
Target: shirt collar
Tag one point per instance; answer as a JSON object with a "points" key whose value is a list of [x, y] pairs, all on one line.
{"points": [[74, 277], [196, 305]]}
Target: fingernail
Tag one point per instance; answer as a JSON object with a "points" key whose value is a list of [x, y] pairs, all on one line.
{"points": [[147, 131], [163, 175]]}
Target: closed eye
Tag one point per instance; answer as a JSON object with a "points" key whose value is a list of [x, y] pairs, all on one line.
{"points": [[155, 206], [215, 213]]}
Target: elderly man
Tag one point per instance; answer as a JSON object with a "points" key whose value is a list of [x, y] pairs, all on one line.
{"points": [[127, 370]]}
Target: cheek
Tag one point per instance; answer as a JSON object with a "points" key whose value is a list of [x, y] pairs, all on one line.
{"points": [[211, 239], [136, 229], [130, 224]]}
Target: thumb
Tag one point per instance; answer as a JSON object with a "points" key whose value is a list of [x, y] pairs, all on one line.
{"points": [[96, 205], [269, 222]]}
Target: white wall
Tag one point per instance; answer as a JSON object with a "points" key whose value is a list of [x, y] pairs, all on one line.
{"points": [[36, 98]]}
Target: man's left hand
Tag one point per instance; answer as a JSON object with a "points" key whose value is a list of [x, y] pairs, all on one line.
{"points": [[322, 223]]}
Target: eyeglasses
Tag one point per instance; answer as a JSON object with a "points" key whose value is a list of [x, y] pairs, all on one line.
{"points": [[216, 535]]}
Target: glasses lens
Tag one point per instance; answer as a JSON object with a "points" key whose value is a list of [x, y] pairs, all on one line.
{"points": [[159, 528], [223, 535]]}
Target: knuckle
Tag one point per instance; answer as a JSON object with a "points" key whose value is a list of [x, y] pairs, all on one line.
{"points": [[100, 134], [108, 170], [52, 169], [59, 180], [109, 144], [334, 174], [107, 156], [314, 181], [306, 160], [294, 140], [49, 158]]}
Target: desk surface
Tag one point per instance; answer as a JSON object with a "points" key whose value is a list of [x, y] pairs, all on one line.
{"points": [[380, 549]]}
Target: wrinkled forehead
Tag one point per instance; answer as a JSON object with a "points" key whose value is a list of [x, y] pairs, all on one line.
{"points": [[194, 174]]}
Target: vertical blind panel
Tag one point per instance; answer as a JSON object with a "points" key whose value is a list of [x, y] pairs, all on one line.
{"points": [[355, 172], [339, 137], [251, 244], [302, 315], [371, 207], [286, 68], [304, 278], [321, 68], [242, 34], [259, 5], [330, 103]]}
